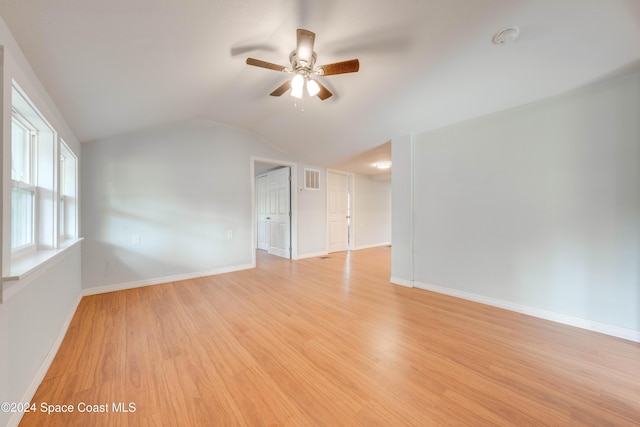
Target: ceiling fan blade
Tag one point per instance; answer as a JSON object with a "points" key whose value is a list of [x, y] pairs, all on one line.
{"points": [[265, 64], [306, 39], [281, 89], [324, 92], [241, 50], [343, 67]]}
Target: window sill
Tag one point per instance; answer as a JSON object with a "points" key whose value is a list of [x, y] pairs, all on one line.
{"points": [[25, 265]]}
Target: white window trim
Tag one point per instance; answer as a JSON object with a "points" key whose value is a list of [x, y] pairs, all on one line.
{"points": [[33, 146], [66, 154], [30, 266], [23, 265], [20, 250], [30, 184]]}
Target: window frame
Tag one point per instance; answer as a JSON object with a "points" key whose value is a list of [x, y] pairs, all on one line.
{"points": [[20, 265], [30, 184], [67, 183]]}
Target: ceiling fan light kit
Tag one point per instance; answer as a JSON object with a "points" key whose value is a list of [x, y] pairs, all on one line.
{"points": [[297, 83], [312, 87], [303, 65]]}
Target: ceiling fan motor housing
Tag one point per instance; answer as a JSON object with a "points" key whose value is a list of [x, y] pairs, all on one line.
{"points": [[302, 66]]}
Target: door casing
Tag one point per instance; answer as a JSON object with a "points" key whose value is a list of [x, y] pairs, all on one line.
{"points": [[293, 201]]}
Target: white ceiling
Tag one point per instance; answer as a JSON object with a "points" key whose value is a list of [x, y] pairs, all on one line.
{"points": [[116, 66]]}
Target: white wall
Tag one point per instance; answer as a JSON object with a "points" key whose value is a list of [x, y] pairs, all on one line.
{"points": [[372, 212], [33, 320], [402, 210], [538, 206], [180, 188], [312, 215], [371, 207]]}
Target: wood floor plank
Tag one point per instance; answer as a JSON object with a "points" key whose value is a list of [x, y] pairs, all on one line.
{"points": [[329, 341]]}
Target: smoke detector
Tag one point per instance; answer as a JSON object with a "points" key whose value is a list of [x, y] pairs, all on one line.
{"points": [[506, 36]]}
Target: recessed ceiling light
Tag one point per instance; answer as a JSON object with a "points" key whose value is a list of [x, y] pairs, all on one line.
{"points": [[506, 36], [383, 165]]}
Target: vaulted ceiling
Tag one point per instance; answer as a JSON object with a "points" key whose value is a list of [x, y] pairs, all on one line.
{"points": [[117, 66]]}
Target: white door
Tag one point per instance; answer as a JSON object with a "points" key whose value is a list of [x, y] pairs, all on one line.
{"points": [[279, 212], [262, 194], [338, 211]]}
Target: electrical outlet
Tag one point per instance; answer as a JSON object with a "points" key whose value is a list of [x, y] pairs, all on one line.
{"points": [[135, 239]]}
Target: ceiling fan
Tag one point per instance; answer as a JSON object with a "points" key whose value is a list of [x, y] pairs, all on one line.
{"points": [[303, 66]]}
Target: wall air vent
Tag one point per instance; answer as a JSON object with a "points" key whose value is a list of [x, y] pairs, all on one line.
{"points": [[311, 179]]}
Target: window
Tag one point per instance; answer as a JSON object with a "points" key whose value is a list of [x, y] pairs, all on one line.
{"points": [[38, 180], [23, 190], [41, 196], [21, 149], [68, 193]]}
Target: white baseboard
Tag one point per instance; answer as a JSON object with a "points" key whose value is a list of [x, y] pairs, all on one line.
{"points": [[46, 364], [616, 331], [161, 280], [377, 245], [401, 282], [314, 255]]}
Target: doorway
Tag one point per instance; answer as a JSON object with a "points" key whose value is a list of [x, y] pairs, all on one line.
{"points": [[339, 212], [273, 207]]}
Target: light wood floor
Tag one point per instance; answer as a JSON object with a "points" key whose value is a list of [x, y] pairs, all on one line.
{"points": [[330, 342]]}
